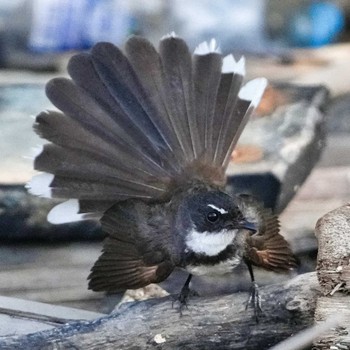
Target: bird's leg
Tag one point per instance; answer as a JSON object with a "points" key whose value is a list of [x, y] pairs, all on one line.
{"points": [[254, 297], [184, 294]]}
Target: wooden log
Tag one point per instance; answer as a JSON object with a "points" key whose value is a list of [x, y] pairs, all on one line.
{"points": [[333, 272], [24, 317], [216, 322], [338, 338], [333, 261]]}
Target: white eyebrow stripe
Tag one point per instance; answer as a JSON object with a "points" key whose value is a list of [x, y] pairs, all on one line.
{"points": [[220, 210]]}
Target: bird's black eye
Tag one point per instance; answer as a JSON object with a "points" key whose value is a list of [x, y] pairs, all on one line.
{"points": [[213, 216]]}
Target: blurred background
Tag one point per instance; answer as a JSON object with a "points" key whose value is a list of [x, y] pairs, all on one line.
{"points": [[301, 42], [34, 32]]}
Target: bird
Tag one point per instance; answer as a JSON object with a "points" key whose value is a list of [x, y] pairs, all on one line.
{"points": [[141, 141]]}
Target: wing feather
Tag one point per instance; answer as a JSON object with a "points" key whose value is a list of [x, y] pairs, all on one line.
{"points": [[267, 247], [129, 258]]}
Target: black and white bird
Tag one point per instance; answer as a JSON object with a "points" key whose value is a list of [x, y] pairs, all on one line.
{"points": [[142, 144]]}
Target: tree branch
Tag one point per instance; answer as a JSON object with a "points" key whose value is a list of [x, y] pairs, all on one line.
{"points": [[216, 322]]}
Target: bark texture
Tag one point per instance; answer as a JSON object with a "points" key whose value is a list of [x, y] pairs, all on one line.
{"points": [[333, 272], [216, 322]]}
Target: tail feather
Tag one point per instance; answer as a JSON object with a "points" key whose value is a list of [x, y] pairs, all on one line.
{"points": [[68, 211], [68, 134], [110, 90], [226, 105], [90, 206], [76, 104], [71, 166], [147, 64], [237, 119], [223, 101], [207, 73], [88, 190], [177, 64], [82, 71], [117, 74], [249, 98]]}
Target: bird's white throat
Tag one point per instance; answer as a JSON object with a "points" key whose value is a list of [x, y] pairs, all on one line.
{"points": [[209, 243]]}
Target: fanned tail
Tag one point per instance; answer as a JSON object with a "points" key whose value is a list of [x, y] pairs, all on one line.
{"points": [[133, 124]]}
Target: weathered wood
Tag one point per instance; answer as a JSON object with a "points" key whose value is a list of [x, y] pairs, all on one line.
{"points": [[330, 306], [333, 261], [53, 273], [52, 313], [333, 272], [304, 339], [217, 322], [19, 317], [47, 273]]}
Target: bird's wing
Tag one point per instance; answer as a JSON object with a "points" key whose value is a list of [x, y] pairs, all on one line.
{"points": [[130, 258], [134, 123], [266, 248]]}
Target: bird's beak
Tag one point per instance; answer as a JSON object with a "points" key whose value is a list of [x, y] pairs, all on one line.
{"points": [[244, 224]]}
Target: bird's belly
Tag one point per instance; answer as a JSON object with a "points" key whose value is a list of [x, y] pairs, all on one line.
{"points": [[220, 268]]}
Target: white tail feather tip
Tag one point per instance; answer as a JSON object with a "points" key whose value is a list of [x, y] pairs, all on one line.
{"points": [[230, 65], [169, 35], [206, 48], [65, 212], [39, 185], [253, 91], [69, 212]]}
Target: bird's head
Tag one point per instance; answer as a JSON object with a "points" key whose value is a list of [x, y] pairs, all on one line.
{"points": [[211, 220]]}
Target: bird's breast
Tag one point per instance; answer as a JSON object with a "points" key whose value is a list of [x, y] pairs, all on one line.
{"points": [[220, 268], [209, 243]]}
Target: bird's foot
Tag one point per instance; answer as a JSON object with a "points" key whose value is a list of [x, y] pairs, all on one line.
{"points": [[183, 297], [255, 301]]}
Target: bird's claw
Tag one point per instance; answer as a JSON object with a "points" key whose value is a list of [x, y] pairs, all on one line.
{"points": [[183, 298], [255, 301]]}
